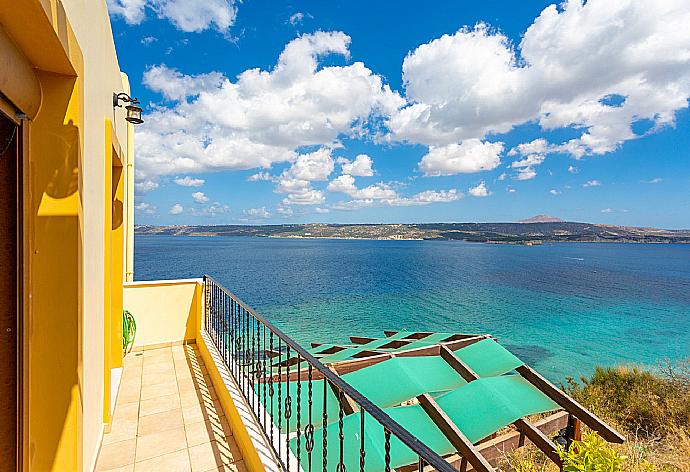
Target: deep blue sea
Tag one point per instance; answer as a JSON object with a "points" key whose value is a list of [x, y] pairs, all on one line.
{"points": [[562, 308]]}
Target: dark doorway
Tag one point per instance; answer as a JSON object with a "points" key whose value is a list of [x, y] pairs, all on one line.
{"points": [[9, 217]]}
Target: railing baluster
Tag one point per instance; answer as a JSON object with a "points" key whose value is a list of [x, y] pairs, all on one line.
{"points": [[309, 432], [387, 448], [299, 409], [362, 452], [325, 423], [280, 396], [341, 436], [288, 408]]}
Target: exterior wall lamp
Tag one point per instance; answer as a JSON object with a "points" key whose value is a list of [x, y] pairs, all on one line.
{"points": [[133, 110]]}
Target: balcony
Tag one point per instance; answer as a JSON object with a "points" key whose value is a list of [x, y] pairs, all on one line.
{"points": [[168, 417], [212, 385]]}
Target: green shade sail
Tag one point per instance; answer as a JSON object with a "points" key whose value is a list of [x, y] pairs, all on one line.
{"points": [[479, 409]]}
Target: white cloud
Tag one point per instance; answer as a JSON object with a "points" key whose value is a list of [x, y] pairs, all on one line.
{"points": [[346, 184], [145, 186], [479, 190], [471, 155], [259, 176], [286, 212], [607, 210], [502, 176], [146, 40], [322, 210], [210, 211], [573, 169], [257, 212], [305, 169], [297, 18], [189, 181], [592, 183], [510, 190], [145, 208], [176, 209], [553, 191], [656, 180], [533, 154], [132, 11], [360, 167], [188, 16], [174, 85], [200, 197], [263, 117], [570, 60]]}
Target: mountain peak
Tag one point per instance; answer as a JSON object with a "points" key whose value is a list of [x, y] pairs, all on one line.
{"points": [[542, 219]]}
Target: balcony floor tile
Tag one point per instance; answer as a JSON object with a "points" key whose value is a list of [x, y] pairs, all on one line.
{"points": [[167, 417]]}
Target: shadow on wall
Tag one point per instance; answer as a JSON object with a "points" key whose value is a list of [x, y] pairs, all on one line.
{"points": [[54, 317]]}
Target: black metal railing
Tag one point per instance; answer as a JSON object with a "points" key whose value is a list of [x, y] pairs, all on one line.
{"points": [[264, 361]]}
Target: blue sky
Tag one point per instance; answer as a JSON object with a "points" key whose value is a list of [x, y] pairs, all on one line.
{"points": [[319, 111]]}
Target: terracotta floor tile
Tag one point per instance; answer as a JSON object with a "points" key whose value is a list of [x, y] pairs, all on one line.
{"points": [[207, 431], [234, 467], [126, 411], [159, 404], [211, 455], [157, 444], [177, 461], [121, 430], [118, 454], [157, 422], [157, 378], [158, 390]]}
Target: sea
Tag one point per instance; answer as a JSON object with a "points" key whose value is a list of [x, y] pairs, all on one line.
{"points": [[563, 308]]}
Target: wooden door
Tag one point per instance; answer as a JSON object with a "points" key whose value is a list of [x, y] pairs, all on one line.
{"points": [[9, 154]]}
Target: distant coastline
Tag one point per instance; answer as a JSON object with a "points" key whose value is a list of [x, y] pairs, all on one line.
{"points": [[493, 233]]}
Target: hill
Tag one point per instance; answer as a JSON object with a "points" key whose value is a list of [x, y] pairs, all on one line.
{"points": [[503, 233]]}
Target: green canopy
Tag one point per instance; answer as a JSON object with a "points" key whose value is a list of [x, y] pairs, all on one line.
{"points": [[410, 376], [479, 409], [488, 358]]}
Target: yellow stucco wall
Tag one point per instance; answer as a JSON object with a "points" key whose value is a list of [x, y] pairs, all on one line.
{"points": [[68, 46], [165, 311]]}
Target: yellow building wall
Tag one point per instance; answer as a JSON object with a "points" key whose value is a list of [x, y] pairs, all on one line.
{"points": [[68, 45], [166, 312]]}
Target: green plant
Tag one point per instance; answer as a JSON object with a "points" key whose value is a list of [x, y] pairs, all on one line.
{"points": [[592, 454], [129, 330]]}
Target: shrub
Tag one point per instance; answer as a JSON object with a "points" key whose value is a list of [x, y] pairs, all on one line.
{"points": [[592, 454], [642, 402]]}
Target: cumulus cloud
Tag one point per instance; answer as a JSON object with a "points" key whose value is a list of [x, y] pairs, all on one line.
{"points": [[145, 186], [305, 169], [210, 211], [553, 191], [189, 181], [656, 180], [360, 167], [145, 208], [185, 15], [200, 197], [471, 155], [592, 183], [263, 117], [573, 169], [479, 190], [297, 18], [382, 194], [563, 73], [176, 209], [256, 213]]}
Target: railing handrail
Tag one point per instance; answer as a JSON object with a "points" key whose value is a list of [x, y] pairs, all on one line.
{"points": [[419, 448]]}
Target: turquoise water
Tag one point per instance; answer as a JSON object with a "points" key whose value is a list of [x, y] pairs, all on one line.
{"points": [[562, 308]]}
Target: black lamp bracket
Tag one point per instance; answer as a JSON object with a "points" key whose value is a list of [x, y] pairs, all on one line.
{"points": [[117, 97]]}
